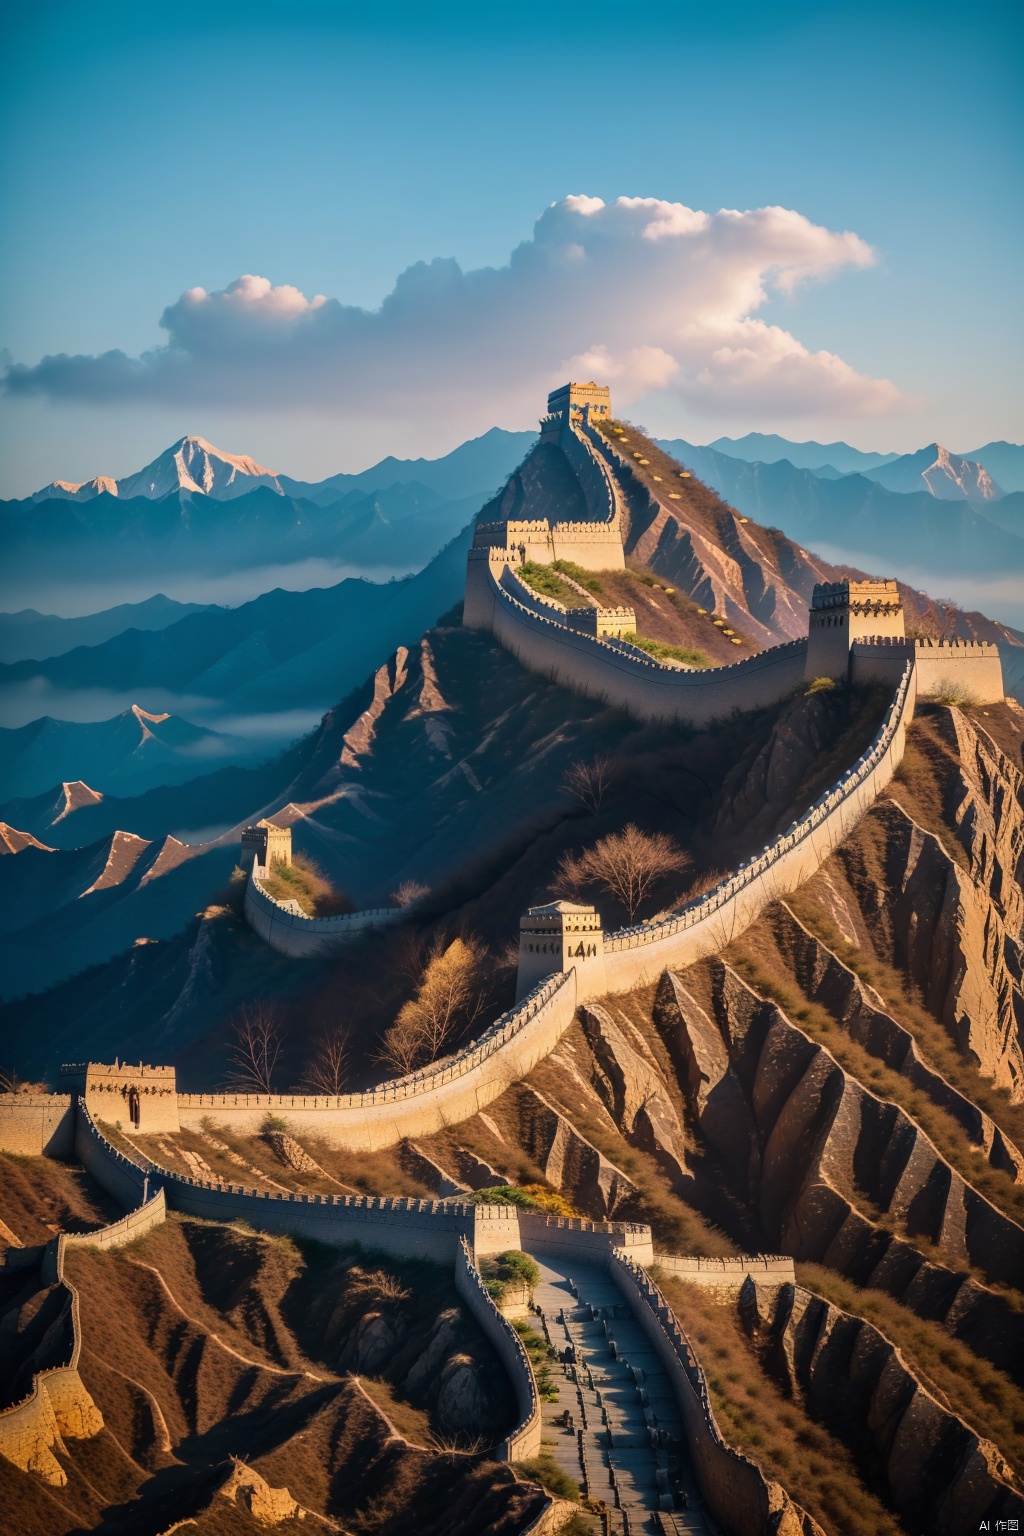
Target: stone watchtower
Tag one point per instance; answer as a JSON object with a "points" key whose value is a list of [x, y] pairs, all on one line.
{"points": [[574, 400], [845, 611], [267, 843], [561, 937], [142, 1098]]}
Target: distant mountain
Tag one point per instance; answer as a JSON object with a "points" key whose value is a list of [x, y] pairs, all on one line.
{"points": [[941, 473], [191, 464], [194, 466], [28, 634], [767, 448], [859, 517], [395, 516], [128, 754], [482, 463], [1004, 462], [284, 650]]}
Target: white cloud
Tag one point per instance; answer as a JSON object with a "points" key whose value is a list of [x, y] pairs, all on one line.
{"points": [[653, 296]]}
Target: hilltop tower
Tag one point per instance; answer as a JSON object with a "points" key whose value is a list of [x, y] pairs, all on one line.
{"points": [[266, 843], [578, 400], [143, 1099], [843, 612], [561, 937]]}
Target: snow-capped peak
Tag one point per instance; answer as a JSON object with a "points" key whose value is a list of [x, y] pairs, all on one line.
{"points": [[191, 464]]}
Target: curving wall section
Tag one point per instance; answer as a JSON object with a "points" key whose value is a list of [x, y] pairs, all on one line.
{"points": [[637, 956], [620, 675], [287, 929], [59, 1407], [736, 1490], [524, 1441], [425, 1101]]}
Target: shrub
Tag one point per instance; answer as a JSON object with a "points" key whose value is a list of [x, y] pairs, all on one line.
{"points": [[662, 652], [529, 1196], [952, 693], [545, 1470], [546, 581], [507, 1270], [822, 685], [582, 577]]}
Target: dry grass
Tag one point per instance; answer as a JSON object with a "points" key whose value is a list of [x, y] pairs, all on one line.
{"points": [[982, 1395], [940, 1127], [917, 787], [304, 882], [40, 1197], [897, 993], [757, 1418]]}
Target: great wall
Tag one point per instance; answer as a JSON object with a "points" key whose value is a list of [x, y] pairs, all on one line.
{"points": [[566, 959]]}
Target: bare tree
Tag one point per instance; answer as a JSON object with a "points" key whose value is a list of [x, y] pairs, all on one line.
{"points": [[256, 1049], [409, 892], [950, 619], [628, 864], [448, 998], [328, 1067], [401, 1048], [588, 782]]}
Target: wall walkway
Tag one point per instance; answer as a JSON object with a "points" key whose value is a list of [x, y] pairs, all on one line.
{"points": [[616, 674]]}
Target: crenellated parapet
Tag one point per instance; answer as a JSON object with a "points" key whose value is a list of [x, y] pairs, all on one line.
{"points": [[289, 930]]}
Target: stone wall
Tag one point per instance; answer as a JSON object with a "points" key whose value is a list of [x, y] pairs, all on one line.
{"points": [[37, 1125], [523, 1442], [58, 1407], [729, 1275], [617, 675], [286, 928], [119, 1233], [735, 1489], [971, 666], [589, 1242], [637, 956], [417, 1105], [596, 481], [422, 1229]]}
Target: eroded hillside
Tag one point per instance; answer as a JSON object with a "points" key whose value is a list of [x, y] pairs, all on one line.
{"points": [[244, 1381]]}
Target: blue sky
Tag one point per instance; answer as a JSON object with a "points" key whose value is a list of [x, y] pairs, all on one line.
{"points": [[149, 149]]}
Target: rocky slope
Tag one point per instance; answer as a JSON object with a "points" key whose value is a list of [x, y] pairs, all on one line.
{"points": [[241, 1382]]}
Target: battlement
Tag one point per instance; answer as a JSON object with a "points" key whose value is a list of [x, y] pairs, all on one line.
{"points": [[267, 843], [144, 1096], [847, 593], [577, 401]]}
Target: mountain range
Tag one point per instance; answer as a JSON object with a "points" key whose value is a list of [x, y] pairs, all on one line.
{"points": [[199, 511], [128, 754]]}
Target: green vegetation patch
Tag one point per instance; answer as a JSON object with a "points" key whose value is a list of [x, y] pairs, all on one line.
{"points": [[541, 1357], [822, 685], [545, 580], [507, 1272], [531, 1196], [303, 882], [585, 578], [545, 1470], [662, 652]]}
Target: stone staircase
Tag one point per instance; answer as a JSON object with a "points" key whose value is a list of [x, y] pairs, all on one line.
{"points": [[616, 1428]]}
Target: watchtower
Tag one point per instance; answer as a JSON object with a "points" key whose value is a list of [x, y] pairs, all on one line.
{"points": [[143, 1099], [266, 842], [561, 937], [575, 400], [845, 611]]}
